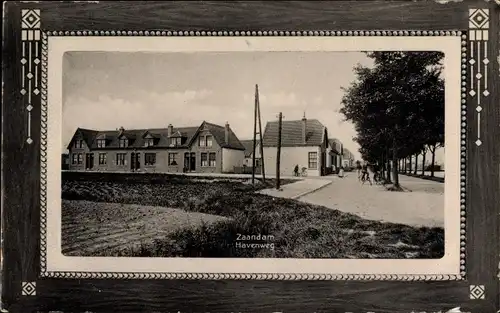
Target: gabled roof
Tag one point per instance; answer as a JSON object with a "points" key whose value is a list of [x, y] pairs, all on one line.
{"points": [[248, 144], [348, 153], [291, 133], [219, 133], [335, 145], [87, 135], [138, 136]]}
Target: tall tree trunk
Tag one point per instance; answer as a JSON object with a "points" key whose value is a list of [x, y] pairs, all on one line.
{"points": [[433, 160], [416, 163], [411, 164], [423, 161], [388, 160], [395, 162], [381, 164]]}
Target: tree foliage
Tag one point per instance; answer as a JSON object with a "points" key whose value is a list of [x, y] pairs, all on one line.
{"points": [[397, 106]]}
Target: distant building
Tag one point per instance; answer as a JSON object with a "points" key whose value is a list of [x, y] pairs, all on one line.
{"points": [[303, 143], [347, 158], [207, 148], [248, 144], [335, 153]]}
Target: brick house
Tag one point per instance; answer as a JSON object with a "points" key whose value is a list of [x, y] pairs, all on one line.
{"points": [[207, 148], [303, 143]]}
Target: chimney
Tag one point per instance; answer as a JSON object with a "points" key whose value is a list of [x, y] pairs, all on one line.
{"points": [[304, 128], [226, 133], [170, 130]]}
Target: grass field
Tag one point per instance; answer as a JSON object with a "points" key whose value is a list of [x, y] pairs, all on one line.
{"points": [[189, 218]]}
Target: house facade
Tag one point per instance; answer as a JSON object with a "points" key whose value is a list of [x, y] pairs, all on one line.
{"points": [[248, 144], [303, 143], [347, 158], [208, 148], [335, 152]]}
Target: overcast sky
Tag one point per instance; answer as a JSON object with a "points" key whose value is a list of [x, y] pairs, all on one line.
{"points": [[106, 90]]}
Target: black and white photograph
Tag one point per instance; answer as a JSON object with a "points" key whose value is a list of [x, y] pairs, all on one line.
{"points": [[161, 150], [250, 157], [332, 155]]}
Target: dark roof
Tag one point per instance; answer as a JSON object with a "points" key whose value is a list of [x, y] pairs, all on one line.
{"points": [[160, 135], [219, 134], [248, 144], [333, 143], [88, 135], [348, 153], [291, 133]]}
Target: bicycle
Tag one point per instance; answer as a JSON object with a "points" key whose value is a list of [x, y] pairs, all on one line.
{"points": [[378, 179], [366, 177], [304, 172]]}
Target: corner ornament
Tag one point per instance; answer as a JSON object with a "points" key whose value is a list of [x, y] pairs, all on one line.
{"points": [[478, 59], [28, 288], [30, 61]]}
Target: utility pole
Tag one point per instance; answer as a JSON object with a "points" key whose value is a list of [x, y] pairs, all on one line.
{"points": [[278, 152], [261, 146], [254, 136]]}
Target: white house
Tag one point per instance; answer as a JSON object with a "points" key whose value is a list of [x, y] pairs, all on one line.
{"points": [[303, 143], [335, 152]]}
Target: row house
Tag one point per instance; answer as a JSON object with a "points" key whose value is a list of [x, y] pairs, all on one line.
{"points": [[207, 148]]}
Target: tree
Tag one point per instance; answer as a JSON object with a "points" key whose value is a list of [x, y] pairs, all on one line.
{"points": [[391, 103]]}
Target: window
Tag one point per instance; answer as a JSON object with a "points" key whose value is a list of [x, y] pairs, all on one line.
{"points": [[74, 158], [204, 159], [80, 158], [102, 158], [149, 142], [149, 158], [176, 141], [123, 143], [172, 159], [313, 160], [201, 141], [212, 162], [121, 159], [79, 144], [101, 143], [209, 141]]}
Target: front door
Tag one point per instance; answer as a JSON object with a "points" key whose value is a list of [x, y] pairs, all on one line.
{"points": [[89, 161], [135, 161], [186, 162], [192, 160], [189, 162]]}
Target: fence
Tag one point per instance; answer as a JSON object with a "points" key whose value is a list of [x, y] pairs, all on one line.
{"points": [[246, 170]]}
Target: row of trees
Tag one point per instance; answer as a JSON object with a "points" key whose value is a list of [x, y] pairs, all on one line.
{"points": [[397, 108]]}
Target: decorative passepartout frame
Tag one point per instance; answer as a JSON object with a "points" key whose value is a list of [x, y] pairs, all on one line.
{"points": [[450, 267], [33, 281]]}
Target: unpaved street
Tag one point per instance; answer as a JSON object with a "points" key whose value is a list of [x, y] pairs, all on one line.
{"points": [[423, 206]]}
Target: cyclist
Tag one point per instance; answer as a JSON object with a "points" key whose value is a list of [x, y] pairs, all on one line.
{"points": [[358, 169], [365, 176]]}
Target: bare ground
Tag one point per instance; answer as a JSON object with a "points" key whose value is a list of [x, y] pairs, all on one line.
{"points": [[98, 228]]}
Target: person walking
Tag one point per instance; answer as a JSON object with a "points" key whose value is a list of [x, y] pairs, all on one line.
{"points": [[365, 175], [341, 172], [358, 169], [296, 171]]}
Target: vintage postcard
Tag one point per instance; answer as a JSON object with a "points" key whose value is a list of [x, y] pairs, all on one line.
{"points": [[254, 155], [200, 156]]}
